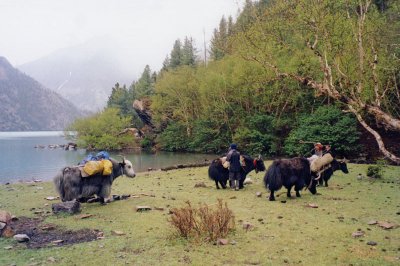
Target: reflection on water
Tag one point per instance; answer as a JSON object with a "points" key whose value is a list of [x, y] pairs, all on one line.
{"points": [[19, 160]]}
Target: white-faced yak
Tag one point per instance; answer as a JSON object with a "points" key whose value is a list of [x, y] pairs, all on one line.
{"points": [[220, 174], [71, 185], [334, 165], [288, 173]]}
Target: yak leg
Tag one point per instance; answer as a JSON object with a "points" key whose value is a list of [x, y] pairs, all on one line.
{"points": [[288, 192], [223, 183], [216, 184], [241, 180], [298, 194], [271, 196]]}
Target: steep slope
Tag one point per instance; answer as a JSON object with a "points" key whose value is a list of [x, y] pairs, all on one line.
{"points": [[83, 74], [26, 105]]}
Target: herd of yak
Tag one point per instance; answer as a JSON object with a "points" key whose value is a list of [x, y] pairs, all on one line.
{"points": [[289, 173]]}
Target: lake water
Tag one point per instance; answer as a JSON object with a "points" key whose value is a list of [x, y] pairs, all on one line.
{"points": [[21, 161]]}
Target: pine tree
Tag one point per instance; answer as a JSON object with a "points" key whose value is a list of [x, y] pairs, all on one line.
{"points": [[176, 55], [145, 85], [188, 53]]}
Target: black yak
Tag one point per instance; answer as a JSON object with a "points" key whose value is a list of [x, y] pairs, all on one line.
{"points": [[335, 165], [71, 185], [220, 174], [288, 173]]}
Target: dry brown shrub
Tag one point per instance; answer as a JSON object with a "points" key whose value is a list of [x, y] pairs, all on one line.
{"points": [[204, 222]]}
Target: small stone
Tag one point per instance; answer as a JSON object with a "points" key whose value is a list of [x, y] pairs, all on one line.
{"points": [[56, 242], [386, 225], [2, 225], [233, 242], [143, 208], [117, 233], [222, 241], [70, 207], [8, 247], [372, 243], [358, 234], [259, 194], [21, 238], [5, 217], [233, 197], [159, 208], [51, 198], [200, 184], [372, 222], [312, 205]]}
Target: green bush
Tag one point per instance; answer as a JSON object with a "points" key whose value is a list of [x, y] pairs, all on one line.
{"points": [[208, 137], [257, 136], [328, 125], [174, 138], [374, 171], [101, 131]]}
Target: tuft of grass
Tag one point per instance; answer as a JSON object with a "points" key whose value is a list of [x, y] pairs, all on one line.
{"points": [[205, 222], [283, 233]]}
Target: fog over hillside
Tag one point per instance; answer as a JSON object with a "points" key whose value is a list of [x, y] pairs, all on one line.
{"points": [[28, 106], [86, 73]]}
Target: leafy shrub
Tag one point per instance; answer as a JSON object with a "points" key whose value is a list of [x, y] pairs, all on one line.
{"points": [[208, 137], [101, 131], [174, 138], [257, 136], [328, 125], [204, 222], [376, 171]]}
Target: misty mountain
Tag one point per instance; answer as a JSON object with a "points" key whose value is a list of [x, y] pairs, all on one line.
{"points": [[83, 74], [26, 105]]}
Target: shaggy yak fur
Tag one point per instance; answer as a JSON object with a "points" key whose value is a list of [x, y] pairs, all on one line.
{"points": [[335, 165], [288, 173], [220, 174], [71, 185]]}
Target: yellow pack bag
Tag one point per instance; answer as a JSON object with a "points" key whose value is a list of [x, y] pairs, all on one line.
{"points": [[319, 163], [107, 167], [93, 167]]}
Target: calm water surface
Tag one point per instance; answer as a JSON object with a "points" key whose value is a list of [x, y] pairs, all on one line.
{"points": [[21, 161]]}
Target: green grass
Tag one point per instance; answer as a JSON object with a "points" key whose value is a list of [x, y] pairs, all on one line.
{"points": [[284, 234]]}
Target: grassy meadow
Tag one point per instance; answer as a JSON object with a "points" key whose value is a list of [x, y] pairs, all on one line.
{"points": [[289, 233]]}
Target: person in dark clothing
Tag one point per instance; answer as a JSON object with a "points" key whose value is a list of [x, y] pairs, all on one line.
{"points": [[233, 157]]}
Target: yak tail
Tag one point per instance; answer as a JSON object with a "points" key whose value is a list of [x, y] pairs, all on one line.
{"points": [[273, 177], [59, 183]]}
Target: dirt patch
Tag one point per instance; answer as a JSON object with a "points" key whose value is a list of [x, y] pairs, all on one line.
{"points": [[50, 235]]}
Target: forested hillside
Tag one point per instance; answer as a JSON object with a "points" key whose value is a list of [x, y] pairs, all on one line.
{"points": [[279, 77], [27, 105]]}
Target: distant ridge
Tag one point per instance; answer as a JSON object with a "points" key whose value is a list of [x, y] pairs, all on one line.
{"points": [[25, 105], [83, 74]]}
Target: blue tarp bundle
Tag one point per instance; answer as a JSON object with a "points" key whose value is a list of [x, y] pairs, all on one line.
{"points": [[99, 156]]}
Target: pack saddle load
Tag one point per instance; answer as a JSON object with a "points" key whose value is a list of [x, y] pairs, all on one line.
{"points": [[319, 163]]}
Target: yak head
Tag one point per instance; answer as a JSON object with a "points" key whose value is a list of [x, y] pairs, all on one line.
{"points": [[343, 166], [127, 168], [259, 164], [312, 184]]}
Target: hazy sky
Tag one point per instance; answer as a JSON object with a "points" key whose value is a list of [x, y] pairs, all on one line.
{"points": [[144, 29]]}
